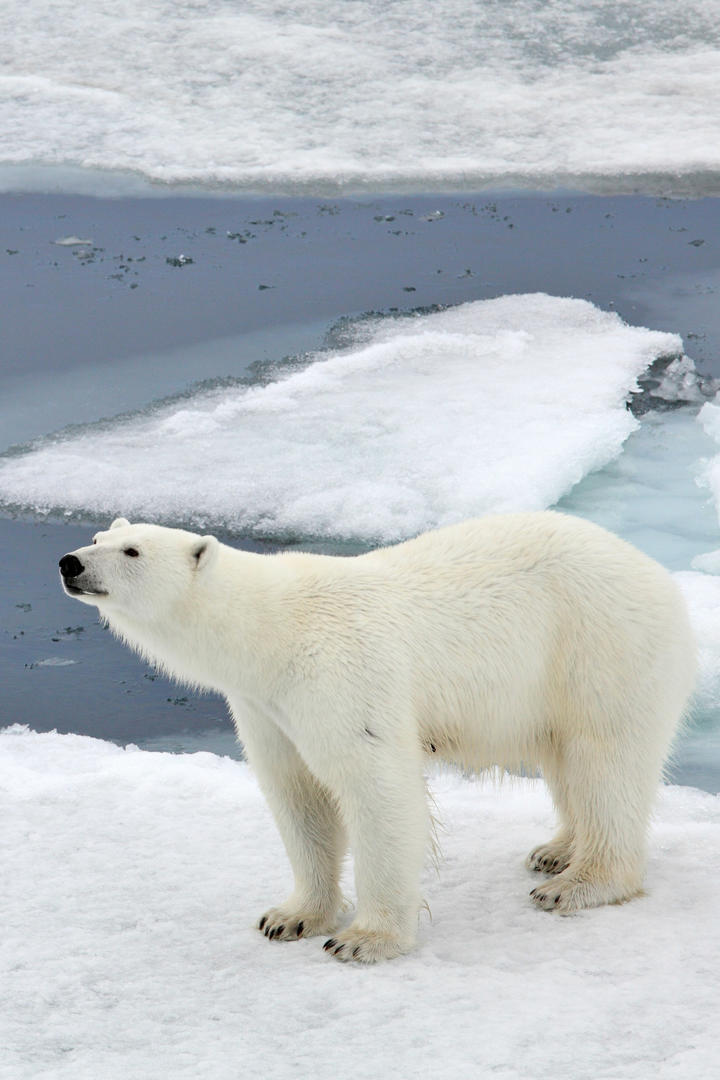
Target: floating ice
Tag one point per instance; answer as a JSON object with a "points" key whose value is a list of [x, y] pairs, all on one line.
{"points": [[53, 661], [71, 241], [709, 417], [709, 477], [702, 593], [418, 422], [708, 562], [370, 94], [133, 880]]}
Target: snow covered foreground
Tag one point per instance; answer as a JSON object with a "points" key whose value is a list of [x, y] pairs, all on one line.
{"points": [[133, 880]]}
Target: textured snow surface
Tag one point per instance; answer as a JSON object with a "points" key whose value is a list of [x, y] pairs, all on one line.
{"points": [[366, 93], [132, 880], [493, 405]]}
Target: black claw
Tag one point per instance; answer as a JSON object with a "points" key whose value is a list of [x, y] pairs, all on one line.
{"points": [[533, 892], [356, 950], [300, 928], [330, 944], [267, 931], [339, 949], [279, 931], [557, 897], [262, 922]]}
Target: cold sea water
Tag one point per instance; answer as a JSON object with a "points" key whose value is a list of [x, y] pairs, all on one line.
{"points": [[330, 285]]}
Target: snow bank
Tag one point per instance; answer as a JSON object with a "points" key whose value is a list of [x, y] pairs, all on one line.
{"points": [[132, 881], [493, 405], [368, 93]]}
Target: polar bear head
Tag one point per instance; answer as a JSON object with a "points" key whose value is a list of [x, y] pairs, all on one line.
{"points": [[138, 570]]}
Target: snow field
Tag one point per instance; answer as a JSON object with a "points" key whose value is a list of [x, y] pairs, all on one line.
{"points": [[133, 880]]}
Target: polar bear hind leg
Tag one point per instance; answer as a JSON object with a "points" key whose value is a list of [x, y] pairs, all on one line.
{"points": [[604, 795], [555, 856]]}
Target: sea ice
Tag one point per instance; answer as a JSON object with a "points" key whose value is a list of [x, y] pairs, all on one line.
{"points": [[71, 241], [709, 418], [368, 94], [415, 422], [132, 881]]}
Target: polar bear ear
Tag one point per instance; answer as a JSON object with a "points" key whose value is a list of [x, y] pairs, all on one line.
{"points": [[119, 523], [205, 552]]}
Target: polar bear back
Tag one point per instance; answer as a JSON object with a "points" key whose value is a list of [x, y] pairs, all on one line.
{"points": [[517, 627]]}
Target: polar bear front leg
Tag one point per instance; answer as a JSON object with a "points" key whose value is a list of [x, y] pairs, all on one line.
{"points": [[309, 824], [383, 801]]}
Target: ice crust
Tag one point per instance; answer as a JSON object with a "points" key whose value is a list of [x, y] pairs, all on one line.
{"points": [[419, 421], [366, 94], [133, 879]]}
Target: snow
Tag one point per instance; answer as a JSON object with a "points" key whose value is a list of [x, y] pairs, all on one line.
{"points": [[133, 881], [418, 421], [702, 595], [365, 94]]}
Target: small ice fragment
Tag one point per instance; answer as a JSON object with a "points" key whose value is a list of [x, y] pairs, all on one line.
{"points": [[70, 241], [435, 216], [708, 562], [178, 260], [54, 661]]}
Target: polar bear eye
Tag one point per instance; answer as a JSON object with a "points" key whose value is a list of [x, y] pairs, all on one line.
{"points": [[132, 552]]}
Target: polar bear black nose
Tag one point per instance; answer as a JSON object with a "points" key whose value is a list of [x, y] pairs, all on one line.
{"points": [[70, 566]]}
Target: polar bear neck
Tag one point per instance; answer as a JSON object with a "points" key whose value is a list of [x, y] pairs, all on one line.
{"points": [[207, 638]]}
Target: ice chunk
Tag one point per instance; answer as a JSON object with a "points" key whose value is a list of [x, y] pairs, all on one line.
{"points": [[702, 593], [72, 241], [709, 474], [418, 422], [708, 562], [53, 661]]}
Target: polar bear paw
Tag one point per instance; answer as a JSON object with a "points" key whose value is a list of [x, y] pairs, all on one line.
{"points": [[364, 946], [572, 892], [284, 924], [550, 858]]}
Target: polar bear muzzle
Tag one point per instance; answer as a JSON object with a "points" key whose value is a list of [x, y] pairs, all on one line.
{"points": [[70, 570]]}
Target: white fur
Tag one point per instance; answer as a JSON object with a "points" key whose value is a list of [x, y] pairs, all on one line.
{"points": [[521, 640]]}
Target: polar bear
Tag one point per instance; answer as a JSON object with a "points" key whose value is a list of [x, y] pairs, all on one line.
{"points": [[531, 640]]}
